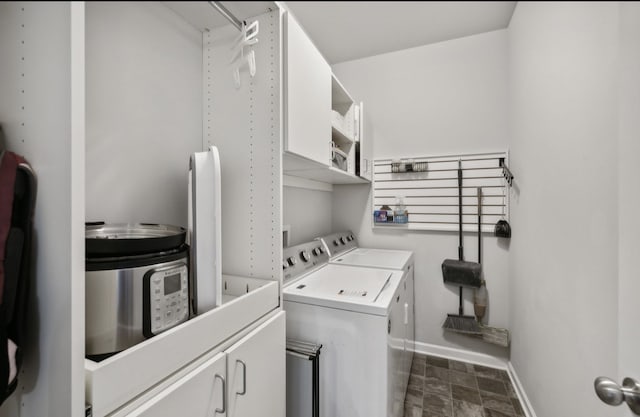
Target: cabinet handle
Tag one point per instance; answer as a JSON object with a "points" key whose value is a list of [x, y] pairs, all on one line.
{"points": [[224, 395], [406, 313], [244, 377]]}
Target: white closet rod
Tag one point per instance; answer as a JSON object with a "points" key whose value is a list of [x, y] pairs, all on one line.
{"points": [[227, 14]]}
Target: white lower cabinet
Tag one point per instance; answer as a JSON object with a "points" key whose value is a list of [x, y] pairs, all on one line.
{"points": [[246, 380], [256, 367]]}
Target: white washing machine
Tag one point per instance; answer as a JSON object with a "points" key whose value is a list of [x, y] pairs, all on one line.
{"points": [[343, 250], [358, 316]]}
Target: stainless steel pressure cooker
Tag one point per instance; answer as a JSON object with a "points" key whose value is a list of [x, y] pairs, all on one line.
{"points": [[137, 284]]}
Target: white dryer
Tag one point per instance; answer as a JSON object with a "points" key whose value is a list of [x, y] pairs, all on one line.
{"points": [[357, 316], [343, 250]]}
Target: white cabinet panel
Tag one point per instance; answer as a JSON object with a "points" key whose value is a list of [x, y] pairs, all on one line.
{"points": [[198, 394], [308, 96], [256, 372]]}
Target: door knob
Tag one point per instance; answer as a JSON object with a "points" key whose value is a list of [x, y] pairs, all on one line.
{"points": [[611, 393]]}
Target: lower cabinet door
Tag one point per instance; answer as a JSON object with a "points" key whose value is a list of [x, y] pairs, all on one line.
{"points": [[201, 393], [257, 372]]}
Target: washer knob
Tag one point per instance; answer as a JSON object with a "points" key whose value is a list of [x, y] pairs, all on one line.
{"points": [[291, 261], [316, 252], [284, 265], [320, 249], [304, 255], [342, 240], [335, 242]]}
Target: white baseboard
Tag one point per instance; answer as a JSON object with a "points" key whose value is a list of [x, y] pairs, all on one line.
{"points": [[480, 359], [524, 400], [461, 355]]}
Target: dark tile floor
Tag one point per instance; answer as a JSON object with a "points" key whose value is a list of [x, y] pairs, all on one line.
{"points": [[441, 387]]}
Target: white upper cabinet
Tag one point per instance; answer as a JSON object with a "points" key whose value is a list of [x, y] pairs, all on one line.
{"points": [[320, 115], [307, 96]]}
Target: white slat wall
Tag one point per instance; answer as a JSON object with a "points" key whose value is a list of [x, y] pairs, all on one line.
{"points": [[431, 196]]}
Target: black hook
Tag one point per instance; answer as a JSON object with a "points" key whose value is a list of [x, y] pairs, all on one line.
{"points": [[506, 172]]}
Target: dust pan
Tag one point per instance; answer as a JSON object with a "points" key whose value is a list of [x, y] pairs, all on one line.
{"points": [[495, 335], [458, 271]]}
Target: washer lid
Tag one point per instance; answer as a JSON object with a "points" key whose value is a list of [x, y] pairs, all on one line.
{"points": [[375, 258], [364, 290]]}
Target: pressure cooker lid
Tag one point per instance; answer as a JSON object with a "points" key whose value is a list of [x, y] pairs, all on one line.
{"points": [[131, 239]]}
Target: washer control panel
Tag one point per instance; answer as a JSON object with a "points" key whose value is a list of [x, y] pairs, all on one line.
{"points": [[166, 298], [300, 259], [339, 243]]}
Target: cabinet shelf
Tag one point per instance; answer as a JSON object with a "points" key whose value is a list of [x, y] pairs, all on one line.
{"points": [[341, 138], [329, 175], [205, 18], [341, 101], [295, 166]]}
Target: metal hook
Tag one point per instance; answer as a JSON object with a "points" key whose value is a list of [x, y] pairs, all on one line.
{"points": [[506, 172]]}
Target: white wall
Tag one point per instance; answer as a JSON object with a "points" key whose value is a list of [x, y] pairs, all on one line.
{"points": [[629, 192], [563, 266], [437, 99], [144, 112], [307, 212]]}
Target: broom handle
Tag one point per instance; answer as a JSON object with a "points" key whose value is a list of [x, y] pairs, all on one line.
{"points": [[479, 225], [460, 250]]}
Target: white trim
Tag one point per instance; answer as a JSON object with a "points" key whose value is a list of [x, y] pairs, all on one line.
{"points": [[77, 211], [298, 182], [517, 385], [461, 355]]}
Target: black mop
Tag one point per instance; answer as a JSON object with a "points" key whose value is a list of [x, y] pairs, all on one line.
{"points": [[464, 274]]}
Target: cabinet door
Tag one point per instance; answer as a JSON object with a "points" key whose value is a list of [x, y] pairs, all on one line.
{"points": [[201, 393], [308, 96], [257, 372], [366, 151]]}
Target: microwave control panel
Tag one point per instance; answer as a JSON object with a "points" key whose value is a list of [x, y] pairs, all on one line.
{"points": [[166, 298]]}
